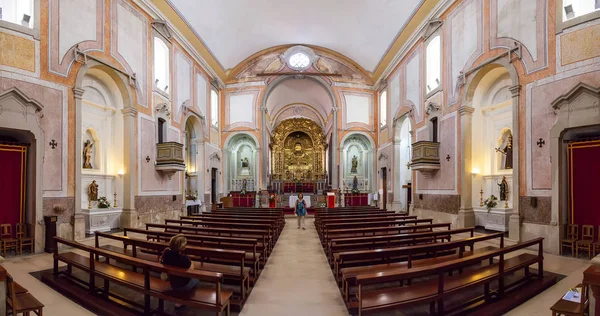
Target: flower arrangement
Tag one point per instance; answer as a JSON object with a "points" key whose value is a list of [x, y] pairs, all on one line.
{"points": [[103, 202], [355, 191], [271, 197], [491, 202], [191, 196]]}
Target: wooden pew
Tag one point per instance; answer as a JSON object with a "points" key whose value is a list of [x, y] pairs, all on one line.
{"points": [[213, 299], [388, 241], [152, 250], [261, 235], [249, 245], [400, 258], [216, 224], [376, 231], [434, 291], [273, 223], [372, 224]]}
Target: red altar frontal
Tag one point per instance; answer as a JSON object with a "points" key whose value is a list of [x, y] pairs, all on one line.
{"points": [[299, 187], [356, 199], [240, 200]]}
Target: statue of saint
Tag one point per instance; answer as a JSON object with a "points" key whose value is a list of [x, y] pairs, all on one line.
{"points": [[355, 185], [244, 183], [354, 166], [245, 163], [87, 155], [93, 191], [503, 189], [508, 153]]}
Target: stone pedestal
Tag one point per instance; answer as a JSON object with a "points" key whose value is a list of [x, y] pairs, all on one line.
{"points": [[496, 219], [78, 226], [129, 219], [466, 218], [101, 219]]}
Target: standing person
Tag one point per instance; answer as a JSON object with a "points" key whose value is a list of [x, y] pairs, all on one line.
{"points": [[301, 210], [173, 256]]}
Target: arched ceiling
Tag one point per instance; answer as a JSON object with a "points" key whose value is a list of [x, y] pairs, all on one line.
{"points": [[366, 31], [303, 91]]}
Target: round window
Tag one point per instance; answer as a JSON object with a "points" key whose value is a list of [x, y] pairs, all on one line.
{"points": [[299, 60]]}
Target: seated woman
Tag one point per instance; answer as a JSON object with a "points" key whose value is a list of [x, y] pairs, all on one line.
{"points": [[173, 256]]}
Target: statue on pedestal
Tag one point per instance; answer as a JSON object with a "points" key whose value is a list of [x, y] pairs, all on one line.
{"points": [[354, 165], [93, 191], [355, 185], [87, 154], [245, 162], [503, 189]]}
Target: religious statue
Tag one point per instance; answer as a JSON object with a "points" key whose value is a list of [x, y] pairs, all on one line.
{"points": [[243, 191], [87, 154], [93, 191], [245, 163], [507, 153], [355, 185], [354, 166], [503, 189]]}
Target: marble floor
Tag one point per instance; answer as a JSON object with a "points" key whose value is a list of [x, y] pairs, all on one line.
{"points": [[295, 281]]}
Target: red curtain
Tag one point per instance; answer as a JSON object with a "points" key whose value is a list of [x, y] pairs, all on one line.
{"points": [[12, 185], [584, 177]]}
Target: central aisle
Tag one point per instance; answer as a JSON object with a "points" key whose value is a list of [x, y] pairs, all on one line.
{"points": [[297, 279]]}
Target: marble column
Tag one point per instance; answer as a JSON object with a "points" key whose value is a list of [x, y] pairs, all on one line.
{"points": [[514, 224], [265, 147], [129, 215], [78, 219], [396, 174], [466, 216], [334, 152]]}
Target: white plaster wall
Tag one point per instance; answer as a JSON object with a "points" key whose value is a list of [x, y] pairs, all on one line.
{"points": [[517, 19], [413, 83], [201, 94], [153, 182], [240, 108], [465, 39], [357, 109], [183, 83], [77, 23], [394, 96]]}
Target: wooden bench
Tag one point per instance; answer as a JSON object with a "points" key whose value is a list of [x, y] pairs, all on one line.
{"points": [[213, 299], [371, 224], [274, 224], [261, 235], [377, 231], [437, 289], [249, 245], [387, 241], [402, 258], [351, 218], [201, 256]]}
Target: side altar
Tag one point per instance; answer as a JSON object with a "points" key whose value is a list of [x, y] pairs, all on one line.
{"points": [[101, 214]]}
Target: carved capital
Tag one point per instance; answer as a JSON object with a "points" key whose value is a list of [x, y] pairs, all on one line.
{"points": [[465, 110], [131, 112], [78, 93], [515, 90]]}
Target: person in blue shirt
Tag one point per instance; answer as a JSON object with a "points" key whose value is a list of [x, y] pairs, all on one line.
{"points": [[301, 210]]}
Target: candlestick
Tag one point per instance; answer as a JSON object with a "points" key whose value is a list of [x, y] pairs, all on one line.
{"points": [[115, 204], [89, 205], [506, 204], [481, 197]]}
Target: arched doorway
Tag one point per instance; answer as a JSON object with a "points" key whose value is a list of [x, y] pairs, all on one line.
{"points": [[402, 156], [104, 150], [194, 164]]}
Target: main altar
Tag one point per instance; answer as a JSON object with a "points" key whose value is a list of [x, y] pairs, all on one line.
{"points": [[298, 155]]}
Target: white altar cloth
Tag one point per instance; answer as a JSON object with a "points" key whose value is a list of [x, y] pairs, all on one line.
{"points": [[294, 198]]}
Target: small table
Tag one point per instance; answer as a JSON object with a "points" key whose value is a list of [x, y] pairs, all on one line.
{"points": [[564, 307]]}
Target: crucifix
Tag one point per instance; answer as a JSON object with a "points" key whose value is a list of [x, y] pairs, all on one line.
{"points": [[541, 143], [53, 144]]}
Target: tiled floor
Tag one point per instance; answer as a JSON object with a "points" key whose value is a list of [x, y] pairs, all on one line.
{"points": [[296, 281]]}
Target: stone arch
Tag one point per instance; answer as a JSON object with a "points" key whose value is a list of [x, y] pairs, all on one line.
{"points": [[126, 94], [21, 113], [466, 216], [230, 151]]}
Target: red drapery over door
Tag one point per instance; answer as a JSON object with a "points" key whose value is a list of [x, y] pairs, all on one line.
{"points": [[584, 182], [12, 186]]}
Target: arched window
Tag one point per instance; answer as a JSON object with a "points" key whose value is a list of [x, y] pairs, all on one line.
{"points": [[161, 65], [383, 109], [17, 11], [433, 64], [214, 108]]}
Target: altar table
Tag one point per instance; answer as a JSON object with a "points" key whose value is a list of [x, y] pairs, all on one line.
{"points": [[358, 199], [294, 198], [243, 200]]}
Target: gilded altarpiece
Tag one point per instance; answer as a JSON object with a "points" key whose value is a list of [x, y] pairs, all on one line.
{"points": [[298, 150]]}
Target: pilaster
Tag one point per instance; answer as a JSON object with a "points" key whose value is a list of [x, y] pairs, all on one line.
{"points": [[78, 219], [129, 166], [466, 217], [514, 225]]}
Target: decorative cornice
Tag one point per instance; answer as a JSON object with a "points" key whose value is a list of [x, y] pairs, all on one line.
{"points": [[466, 110], [78, 93]]}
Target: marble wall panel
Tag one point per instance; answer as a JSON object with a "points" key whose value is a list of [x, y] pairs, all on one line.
{"points": [[463, 42], [541, 214], [439, 203], [129, 44], [17, 52], [575, 46], [413, 84], [73, 23], [62, 207], [515, 20], [159, 203], [445, 178]]}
